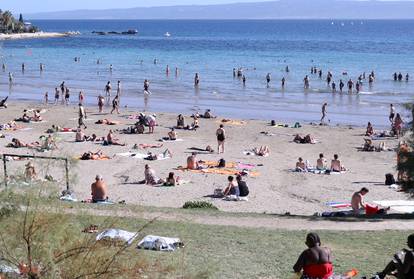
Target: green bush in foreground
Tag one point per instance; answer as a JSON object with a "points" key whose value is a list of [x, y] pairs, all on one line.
{"points": [[199, 205]]}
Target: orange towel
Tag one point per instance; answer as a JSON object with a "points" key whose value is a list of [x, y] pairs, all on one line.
{"points": [[222, 171]]}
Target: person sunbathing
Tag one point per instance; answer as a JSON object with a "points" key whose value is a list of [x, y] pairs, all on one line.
{"points": [[180, 122], [232, 188], [301, 166], [48, 143], [208, 114], [336, 164], [150, 176], [152, 157], [25, 118], [36, 116], [402, 265], [92, 155], [306, 139], [107, 122], [80, 136], [316, 261], [192, 163], [111, 140], [368, 146], [171, 180], [263, 151], [370, 130], [321, 162], [12, 125], [30, 172], [172, 135], [99, 190]]}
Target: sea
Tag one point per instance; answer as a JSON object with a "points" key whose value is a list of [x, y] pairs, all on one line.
{"points": [[346, 48]]}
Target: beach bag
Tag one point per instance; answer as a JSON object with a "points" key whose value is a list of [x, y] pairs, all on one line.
{"points": [[222, 163], [389, 179]]}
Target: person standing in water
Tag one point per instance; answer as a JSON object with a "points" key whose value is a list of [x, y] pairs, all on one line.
{"points": [[306, 82], [268, 78], [283, 82], [108, 88], [146, 86], [341, 85], [392, 113], [10, 78], [167, 70], [244, 80], [196, 80], [324, 112], [221, 137]]}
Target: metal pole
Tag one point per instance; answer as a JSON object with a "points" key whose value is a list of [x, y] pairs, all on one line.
{"points": [[67, 174], [5, 171]]}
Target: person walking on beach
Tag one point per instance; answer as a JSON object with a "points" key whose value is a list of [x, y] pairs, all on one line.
{"points": [[23, 66], [56, 96], [306, 82], [82, 116], [46, 98], [350, 86], [221, 137], [118, 88], [196, 80], [333, 87], [283, 82], [108, 88], [101, 101], [115, 105], [324, 112], [244, 80], [3, 67], [392, 113], [81, 97], [268, 77]]}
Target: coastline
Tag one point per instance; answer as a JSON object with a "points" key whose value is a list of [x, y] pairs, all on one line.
{"points": [[37, 35]]}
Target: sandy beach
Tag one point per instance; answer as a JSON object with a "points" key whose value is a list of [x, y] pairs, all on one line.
{"points": [[37, 35], [276, 190]]}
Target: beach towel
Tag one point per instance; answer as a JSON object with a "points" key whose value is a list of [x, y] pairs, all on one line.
{"points": [[132, 155], [338, 204], [222, 171], [159, 243], [68, 198], [116, 235], [403, 206], [168, 140], [214, 164], [231, 122]]}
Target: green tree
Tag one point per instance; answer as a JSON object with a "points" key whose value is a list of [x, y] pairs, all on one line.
{"points": [[7, 18], [406, 157]]}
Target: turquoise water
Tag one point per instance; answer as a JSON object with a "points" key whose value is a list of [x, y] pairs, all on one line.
{"points": [[213, 49]]}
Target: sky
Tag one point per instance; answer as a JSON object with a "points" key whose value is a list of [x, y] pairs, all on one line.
{"points": [[35, 6]]}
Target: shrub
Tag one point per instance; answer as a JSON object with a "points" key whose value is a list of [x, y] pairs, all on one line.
{"points": [[199, 205]]}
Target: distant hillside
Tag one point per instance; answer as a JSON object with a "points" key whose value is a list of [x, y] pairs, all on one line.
{"points": [[282, 9]]}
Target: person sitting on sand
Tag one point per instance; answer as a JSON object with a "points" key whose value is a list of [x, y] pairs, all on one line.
{"points": [[36, 116], [321, 162], [49, 143], [368, 146], [263, 151], [25, 118], [152, 157], [370, 130], [80, 136], [30, 172], [192, 163], [180, 122], [232, 188], [3, 103], [150, 177], [172, 135], [111, 140], [171, 180], [208, 114], [336, 164], [316, 261], [306, 139], [300, 165], [402, 264], [99, 190], [243, 188]]}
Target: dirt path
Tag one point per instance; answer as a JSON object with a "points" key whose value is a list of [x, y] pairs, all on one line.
{"points": [[267, 222]]}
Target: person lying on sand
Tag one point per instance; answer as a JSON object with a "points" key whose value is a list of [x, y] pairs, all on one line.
{"points": [[111, 140], [301, 166], [370, 130], [316, 261], [152, 157], [25, 118], [402, 264], [16, 143], [56, 129], [99, 190], [263, 151], [93, 155], [305, 139], [150, 177], [107, 122], [12, 125], [336, 164]]}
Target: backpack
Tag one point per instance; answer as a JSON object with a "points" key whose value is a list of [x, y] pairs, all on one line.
{"points": [[389, 179]]}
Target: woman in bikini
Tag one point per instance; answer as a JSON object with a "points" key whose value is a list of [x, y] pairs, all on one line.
{"points": [[221, 137]]}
